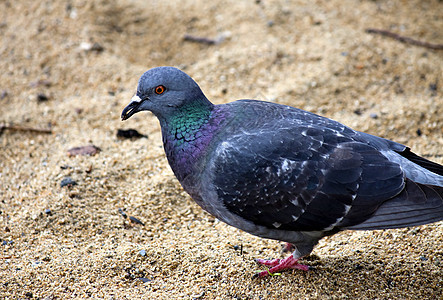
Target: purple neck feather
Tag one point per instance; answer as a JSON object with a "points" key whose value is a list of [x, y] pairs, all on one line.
{"points": [[187, 139]]}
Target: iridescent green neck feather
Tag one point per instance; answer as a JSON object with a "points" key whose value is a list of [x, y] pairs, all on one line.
{"points": [[187, 134]]}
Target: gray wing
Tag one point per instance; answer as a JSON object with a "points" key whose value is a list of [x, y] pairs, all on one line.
{"points": [[303, 178]]}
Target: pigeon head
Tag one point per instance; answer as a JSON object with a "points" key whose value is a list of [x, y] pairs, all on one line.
{"points": [[164, 91]]}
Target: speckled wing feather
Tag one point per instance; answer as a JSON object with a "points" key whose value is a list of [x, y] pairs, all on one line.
{"points": [[303, 174]]}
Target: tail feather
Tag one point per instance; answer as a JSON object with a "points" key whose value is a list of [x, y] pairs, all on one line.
{"points": [[417, 204], [421, 161]]}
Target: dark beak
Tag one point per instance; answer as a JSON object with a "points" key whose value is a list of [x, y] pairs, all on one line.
{"points": [[132, 108]]}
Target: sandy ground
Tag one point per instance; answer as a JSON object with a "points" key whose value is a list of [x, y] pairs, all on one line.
{"points": [[71, 66]]}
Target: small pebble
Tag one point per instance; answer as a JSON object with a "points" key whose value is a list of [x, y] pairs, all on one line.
{"points": [[135, 220], [48, 211], [419, 133], [129, 134], [91, 47], [143, 279], [373, 116], [142, 252], [41, 82], [124, 215], [198, 296], [423, 258], [433, 87], [68, 181], [84, 150], [36, 263], [42, 98], [3, 94]]}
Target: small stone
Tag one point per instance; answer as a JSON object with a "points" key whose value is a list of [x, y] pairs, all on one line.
{"points": [[36, 263], [198, 296], [3, 94], [42, 97], [373, 115], [97, 47], [41, 82], [84, 150], [85, 46], [135, 220], [143, 279], [423, 258], [433, 87], [419, 133], [129, 134], [91, 47], [68, 181], [124, 215], [142, 252], [48, 211]]}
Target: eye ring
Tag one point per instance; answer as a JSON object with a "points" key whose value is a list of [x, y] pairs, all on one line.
{"points": [[159, 89]]}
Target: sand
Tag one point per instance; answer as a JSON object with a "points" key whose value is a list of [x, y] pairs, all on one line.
{"points": [[71, 67]]}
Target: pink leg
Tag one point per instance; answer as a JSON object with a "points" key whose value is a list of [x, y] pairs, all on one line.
{"points": [[288, 247], [278, 265]]}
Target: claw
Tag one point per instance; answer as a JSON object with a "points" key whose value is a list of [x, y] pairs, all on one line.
{"points": [[268, 262]]}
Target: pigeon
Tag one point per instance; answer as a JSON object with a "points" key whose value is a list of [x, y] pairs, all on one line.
{"points": [[282, 173]]}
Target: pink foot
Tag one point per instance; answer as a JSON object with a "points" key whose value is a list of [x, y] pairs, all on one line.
{"points": [[278, 265], [268, 262]]}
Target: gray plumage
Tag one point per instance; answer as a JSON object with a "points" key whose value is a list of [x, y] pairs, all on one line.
{"points": [[283, 173]]}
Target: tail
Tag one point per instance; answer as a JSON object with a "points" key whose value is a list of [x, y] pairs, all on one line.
{"points": [[417, 204], [421, 161]]}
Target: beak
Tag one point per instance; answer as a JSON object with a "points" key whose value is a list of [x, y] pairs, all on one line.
{"points": [[132, 108]]}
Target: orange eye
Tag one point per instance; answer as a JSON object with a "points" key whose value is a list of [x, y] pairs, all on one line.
{"points": [[160, 89]]}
